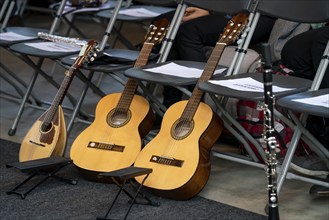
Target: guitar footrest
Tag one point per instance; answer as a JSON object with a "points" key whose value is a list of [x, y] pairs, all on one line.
{"points": [[126, 175], [47, 167]]}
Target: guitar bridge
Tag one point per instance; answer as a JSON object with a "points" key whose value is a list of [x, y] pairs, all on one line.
{"points": [[166, 161], [104, 146], [38, 144]]}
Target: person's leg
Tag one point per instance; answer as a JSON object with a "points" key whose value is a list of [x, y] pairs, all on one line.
{"points": [[263, 30], [303, 53], [195, 34], [189, 44], [319, 44]]}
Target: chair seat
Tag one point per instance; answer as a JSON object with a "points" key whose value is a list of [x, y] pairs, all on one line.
{"points": [[143, 75], [287, 102], [107, 14], [26, 31], [299, 85], [119, 59]]}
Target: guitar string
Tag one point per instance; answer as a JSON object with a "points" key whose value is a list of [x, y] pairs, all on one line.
{"points": [[186, 119], [131, 86], [126, 98], [228, 35]]}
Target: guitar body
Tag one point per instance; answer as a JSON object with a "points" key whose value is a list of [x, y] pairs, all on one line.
{"points": [[181, 166], [37, 144], [103, 147]]}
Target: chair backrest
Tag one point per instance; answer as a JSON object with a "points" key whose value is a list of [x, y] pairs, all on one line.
{"points": [[224, 6], [303, 11]]}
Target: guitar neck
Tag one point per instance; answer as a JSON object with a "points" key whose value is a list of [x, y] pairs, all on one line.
{"points": [[131, 85], [207, 73]]}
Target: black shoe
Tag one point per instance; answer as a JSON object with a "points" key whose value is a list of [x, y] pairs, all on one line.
{"points": [[320, 191]]}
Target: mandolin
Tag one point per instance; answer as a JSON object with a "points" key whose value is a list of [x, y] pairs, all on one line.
{"points": [[47, 136], [113, 140], [179, 154]]}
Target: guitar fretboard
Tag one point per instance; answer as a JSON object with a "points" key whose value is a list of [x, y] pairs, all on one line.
{"points": [[207, 73], [131, 85]]}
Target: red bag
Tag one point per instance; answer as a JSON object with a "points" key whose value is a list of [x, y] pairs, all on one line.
{"points": [[251, 116]]}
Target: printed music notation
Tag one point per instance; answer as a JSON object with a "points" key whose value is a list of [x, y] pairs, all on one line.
{"points": [[322, 100], [138, 12], [174, 69], [72, 9], [54, 47], [247, 84], [11, 36]]}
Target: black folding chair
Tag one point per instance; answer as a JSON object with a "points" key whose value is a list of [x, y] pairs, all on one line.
{"points": [[26, 53], [11, 35], [306, 11], [139, 14], [230, 59], [125, 59]]}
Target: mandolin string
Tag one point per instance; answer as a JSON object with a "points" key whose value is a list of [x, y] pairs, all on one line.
{"points": [[46, 123]]}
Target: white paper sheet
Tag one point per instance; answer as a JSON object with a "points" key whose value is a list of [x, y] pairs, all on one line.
{"points": [[322, 100], [247, 84], [138, 12], [71, 9], [174, 69], [54, 47], [11, 36]]}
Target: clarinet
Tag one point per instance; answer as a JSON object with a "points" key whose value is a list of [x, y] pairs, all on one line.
{"points": [[269, 137], [59, 39]]}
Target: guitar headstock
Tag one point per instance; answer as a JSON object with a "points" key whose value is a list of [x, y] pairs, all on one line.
{"points": [[87, 53], [157, 32], [234, 28]]}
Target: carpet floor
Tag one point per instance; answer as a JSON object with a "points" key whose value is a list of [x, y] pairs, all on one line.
{"points": [[87, 200]]}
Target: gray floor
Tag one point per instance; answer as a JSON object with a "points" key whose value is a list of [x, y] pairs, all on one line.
{"points": [[230, 182]]}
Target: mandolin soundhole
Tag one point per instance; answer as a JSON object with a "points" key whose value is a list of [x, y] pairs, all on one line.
{"points": [[118, 118], [181, 129], [46, 127]]}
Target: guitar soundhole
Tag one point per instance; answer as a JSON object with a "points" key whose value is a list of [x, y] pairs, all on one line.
{"points": [[118, 118], [46, 127], [181, 129]]}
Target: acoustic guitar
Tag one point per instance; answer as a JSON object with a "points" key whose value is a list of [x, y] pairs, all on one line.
{"points": [[113, 140], [179, 154], [47, 136]]}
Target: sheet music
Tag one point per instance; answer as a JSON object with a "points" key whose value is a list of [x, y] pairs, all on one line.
{"points": [[247, 84], [11, 36], [54, 47], [138, 12], [71, 9], [322, 100], [174, 69]]}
